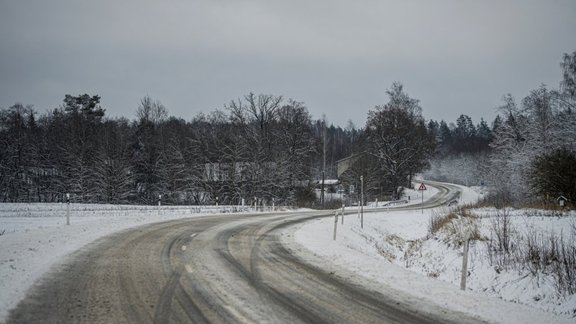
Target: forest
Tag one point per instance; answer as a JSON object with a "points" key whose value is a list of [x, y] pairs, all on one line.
{"points": [[268, 149], [261, 147]]}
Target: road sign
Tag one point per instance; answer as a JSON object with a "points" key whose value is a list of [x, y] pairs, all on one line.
{"points": [[422, 189]]}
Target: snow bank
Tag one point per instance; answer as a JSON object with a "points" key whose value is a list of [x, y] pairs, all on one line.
{"points": [[35, 236], [395, 249]]}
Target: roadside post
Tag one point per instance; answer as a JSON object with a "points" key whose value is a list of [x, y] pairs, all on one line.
{"points": [[159, 203], [422, 189], [465, 265], [67, 209], [335, 223], [342, 214]]}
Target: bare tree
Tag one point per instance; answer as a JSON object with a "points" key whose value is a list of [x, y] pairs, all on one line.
{"points": [[295, 145], [151, 111], [256, 117], [149, 150]]}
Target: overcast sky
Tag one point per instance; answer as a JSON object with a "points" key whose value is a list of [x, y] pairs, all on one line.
{"points": [[338, 57]]}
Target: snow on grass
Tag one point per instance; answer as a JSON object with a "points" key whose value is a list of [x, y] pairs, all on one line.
{"points": [[395, 249], [35, 236]]}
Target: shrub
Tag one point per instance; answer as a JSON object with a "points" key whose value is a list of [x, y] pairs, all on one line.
{"points": [[499, 245], [304, 197], [536, 252], [439, 219], [554, 174], [459, 225], [333, 204]]}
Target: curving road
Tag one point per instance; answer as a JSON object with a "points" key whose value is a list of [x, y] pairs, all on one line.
{"points": [[217, 269]]}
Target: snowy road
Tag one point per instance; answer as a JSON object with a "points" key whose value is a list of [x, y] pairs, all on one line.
{"points": [[230, 268]]}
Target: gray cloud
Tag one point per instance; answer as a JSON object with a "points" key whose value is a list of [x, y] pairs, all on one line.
{"points": [[338, 57]]}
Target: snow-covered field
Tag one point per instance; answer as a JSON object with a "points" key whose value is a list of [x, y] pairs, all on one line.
{"points": [[35, 237], [395, 249]]}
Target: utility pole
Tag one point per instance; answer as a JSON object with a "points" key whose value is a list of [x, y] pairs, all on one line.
{"points": [[361, 201], [323, 159]]}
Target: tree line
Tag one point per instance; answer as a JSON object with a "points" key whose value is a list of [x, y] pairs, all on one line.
{"points": [[260, 147]]}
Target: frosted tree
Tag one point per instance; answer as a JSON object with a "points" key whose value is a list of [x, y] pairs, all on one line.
{"points": [[112, 171], [148, 151], [544, 126], [511, 155], [398, 138], [568, 83], [567, 101], [257, 116], [18, 153], [76, 127], [296, 144], [542, 122]]}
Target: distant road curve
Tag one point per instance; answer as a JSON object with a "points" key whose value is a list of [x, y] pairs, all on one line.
{"points": [[216, 269], [447, 193]]}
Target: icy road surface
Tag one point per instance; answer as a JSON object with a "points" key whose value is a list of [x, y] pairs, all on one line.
{"points": [[213, 269]]}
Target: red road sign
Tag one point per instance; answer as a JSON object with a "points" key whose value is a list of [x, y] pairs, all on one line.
{"points": [[422, 187]]}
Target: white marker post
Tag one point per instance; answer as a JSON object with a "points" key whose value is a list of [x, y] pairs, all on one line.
{"points": [[67, 209], [465, 265], [335, 224], [342, 214]]}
